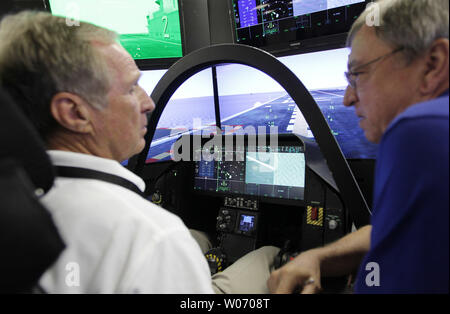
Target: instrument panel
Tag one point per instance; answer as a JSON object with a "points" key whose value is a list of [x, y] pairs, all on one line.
{"points": [[246, 196]]}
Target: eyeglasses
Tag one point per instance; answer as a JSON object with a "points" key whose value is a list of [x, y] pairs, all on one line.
{"points": [[352, 75]]}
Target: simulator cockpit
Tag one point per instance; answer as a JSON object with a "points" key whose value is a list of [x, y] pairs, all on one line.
{"points": [[251, 169]]}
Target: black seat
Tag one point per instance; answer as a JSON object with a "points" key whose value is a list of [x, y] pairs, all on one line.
{"points": [[29, 241]]}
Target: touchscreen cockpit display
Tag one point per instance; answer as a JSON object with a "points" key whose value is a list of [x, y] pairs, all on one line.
{"points": [[267, 172]]}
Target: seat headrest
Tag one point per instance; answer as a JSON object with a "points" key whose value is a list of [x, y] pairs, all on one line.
{"points": [[21, 142]]}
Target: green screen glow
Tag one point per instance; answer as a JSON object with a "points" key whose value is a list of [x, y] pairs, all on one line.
{"points": [[148, 29]]}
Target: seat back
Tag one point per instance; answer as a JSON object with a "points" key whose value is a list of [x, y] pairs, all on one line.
{"points": [[29, 241]]}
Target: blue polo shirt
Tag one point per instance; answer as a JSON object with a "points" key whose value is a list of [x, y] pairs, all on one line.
{"points": [[410, 222]]}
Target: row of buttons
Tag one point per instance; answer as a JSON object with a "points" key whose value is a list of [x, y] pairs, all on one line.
{"points": [[241, 202]]}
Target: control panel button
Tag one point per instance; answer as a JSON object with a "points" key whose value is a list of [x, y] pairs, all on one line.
{"points": [[241, 202], [332, 224], [314, 213]]}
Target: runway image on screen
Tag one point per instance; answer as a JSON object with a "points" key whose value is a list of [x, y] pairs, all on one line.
{"points": [[261, 109], [250, 99]]}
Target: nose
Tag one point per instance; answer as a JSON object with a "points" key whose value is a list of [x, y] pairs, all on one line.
{"points": [[147, 103], [350, 97], [150, 104]]}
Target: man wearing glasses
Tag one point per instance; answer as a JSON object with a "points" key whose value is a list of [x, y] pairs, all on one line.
{"points": [[398, 75]]}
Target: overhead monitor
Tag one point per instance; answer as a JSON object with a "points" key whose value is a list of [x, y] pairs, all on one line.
{"points": [[150, 30], [282, 26]]}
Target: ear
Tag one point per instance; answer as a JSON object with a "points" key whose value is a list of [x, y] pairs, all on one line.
{"points": [[71, 112], [436, 76]]}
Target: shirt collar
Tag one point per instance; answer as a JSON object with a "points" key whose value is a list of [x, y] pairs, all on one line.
{"points": [[72, 159]]}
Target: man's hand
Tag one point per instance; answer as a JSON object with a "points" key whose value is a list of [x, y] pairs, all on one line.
{"points": [[303, 272], [336, 259]]}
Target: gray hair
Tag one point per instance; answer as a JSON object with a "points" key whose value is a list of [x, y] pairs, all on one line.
{"points": [[411, 24], [40, 56]]}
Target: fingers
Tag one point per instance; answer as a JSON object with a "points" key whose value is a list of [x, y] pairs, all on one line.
{"points": [[290, 280], [280, 284], [301, 274], [283, 282], [310, 289], [310, 286]]}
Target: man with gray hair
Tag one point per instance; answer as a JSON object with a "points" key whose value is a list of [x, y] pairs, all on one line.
{"points": [[79, 87], [398, 83]]}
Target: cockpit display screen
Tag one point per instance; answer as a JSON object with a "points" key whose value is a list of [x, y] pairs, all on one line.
{"points": [[247, 223], [274, 173]]}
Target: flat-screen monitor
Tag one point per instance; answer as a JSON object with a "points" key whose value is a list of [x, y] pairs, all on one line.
{"points": [[149, 30], [279, 26], [277, 172]]}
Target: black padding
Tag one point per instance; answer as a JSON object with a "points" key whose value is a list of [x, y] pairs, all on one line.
{"points": [[20, 141], [6, 7], [29, 241]]}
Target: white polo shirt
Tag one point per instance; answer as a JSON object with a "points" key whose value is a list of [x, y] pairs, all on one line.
{"points": [[117, 241]]}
